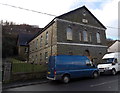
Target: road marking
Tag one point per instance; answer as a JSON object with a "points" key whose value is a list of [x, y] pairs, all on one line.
{"points": [[102, 83]]}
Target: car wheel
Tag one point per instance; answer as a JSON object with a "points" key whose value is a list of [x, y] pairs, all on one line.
{"points": [[113, 72], [66, 79], [95, 74]]}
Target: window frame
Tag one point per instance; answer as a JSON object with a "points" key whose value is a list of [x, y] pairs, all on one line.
{"points": [[98, 37], [69, 32], [85, 36], [47, 36]]}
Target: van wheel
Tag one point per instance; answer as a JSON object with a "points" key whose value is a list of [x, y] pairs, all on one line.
{"points": [[113, 72], [65, 79], [95, 74]]}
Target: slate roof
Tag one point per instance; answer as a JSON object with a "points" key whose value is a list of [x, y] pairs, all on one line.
{"points": [[60, 17], [114, 47], [24, 38]]}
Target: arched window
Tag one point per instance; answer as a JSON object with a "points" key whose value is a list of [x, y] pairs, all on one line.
{"points": [[98, 38], [80, 36], [69, 33], [85, 36], [90, 37]]}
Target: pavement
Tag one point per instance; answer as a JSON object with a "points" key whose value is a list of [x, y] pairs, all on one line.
{"points": [[24, 83]]}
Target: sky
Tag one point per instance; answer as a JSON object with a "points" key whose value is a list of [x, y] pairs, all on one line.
{"points": [[105, 10]]}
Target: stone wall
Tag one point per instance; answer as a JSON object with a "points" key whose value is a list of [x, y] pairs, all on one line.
{"points": [[37, 52]]}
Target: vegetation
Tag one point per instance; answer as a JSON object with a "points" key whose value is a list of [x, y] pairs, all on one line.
{"points": [[22, 67], [27, 67], [8, 46]]}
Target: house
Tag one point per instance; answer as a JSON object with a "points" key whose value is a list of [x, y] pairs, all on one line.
{"points": [[77, 32], [114, 47], [22, 45]]}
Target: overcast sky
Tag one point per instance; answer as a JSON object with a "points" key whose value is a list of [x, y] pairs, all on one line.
{"points": [[105, 10]]}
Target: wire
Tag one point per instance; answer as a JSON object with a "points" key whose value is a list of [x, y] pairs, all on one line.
{"points": [[112, 27], [42, 12], [28, 9]]}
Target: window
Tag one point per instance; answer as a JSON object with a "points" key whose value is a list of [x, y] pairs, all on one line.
{"points": [[33, 59], [33, 47], [98, 38], [90, 37], [46, 42], [84, 20], [46, 55], [41, 39], [36, 59], [40, 56], [36, 43], [26, 50], [80, 36], [85, 36], [69, 33]]}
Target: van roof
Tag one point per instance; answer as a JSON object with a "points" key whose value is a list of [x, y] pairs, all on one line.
{"points": [[111, 55]]}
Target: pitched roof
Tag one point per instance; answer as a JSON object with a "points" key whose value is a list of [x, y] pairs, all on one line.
{"points": [[24, 38], [59, 17], [115, 47], [65, 14]]}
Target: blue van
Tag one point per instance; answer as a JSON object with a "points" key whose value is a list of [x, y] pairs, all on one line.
{"points": [[66, 67]]}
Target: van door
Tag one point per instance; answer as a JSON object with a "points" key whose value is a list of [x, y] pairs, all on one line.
{"points": [[51, 66], [88, 68], [116, 65]]}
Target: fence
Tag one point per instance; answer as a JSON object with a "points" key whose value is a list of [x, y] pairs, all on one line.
{"points": [[14, 71]]}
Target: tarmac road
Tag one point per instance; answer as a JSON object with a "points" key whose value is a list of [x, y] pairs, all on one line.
{"points": [[103, 83]]}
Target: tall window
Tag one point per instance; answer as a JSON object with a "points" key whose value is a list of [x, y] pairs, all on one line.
{"points": [[46, 55], [69, 33], [41, 39], [40, 56], [80, 36], [85, 36], [90, 37], [37, 43], [36, 59], [98, 37], [46, 42]]}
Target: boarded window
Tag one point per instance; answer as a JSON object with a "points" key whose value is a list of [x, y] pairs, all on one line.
{"points": [[69, 33]]}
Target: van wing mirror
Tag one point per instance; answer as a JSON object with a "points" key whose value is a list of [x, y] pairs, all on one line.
{"points": [[88, 63], [113, 63]]}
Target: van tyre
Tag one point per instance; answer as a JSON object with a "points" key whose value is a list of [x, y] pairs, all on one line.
{"points": [[66, 79], [113, 72], [95, 74]]}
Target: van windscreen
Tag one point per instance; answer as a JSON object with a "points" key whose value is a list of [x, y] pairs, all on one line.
{"points": [[108, 60]]}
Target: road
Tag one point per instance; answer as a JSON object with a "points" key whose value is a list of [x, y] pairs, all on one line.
{"points": [[103, 83]]}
